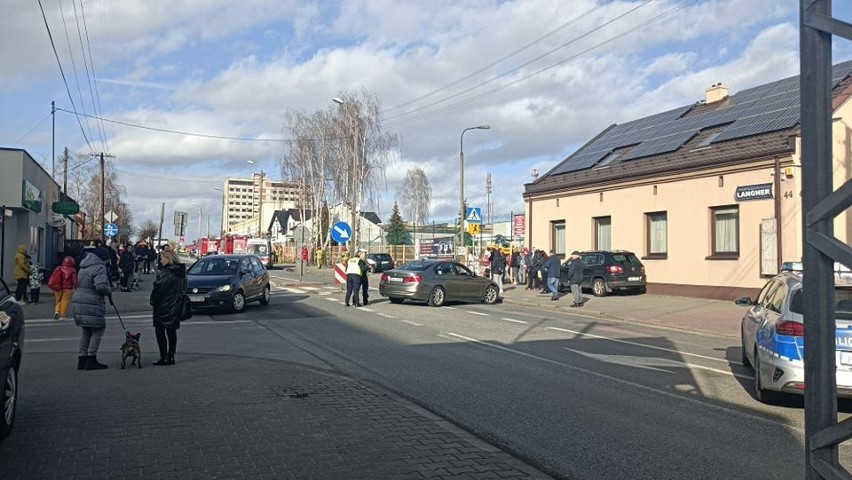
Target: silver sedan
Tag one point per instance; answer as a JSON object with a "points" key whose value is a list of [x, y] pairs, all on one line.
{"points": [[436, 282]]}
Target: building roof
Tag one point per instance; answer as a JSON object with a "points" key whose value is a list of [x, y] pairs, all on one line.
{"points": [[371, 217], [284, 216], [755, 123]]}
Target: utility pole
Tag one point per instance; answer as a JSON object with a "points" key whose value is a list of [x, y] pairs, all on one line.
{"points": [[102, 155], [488, 198], [162, 215], [53, 138], [65, 173]]}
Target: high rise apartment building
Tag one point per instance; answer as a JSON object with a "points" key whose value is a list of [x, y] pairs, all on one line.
{"points": [[241, 198]]}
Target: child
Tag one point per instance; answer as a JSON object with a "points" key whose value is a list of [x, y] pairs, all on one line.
{"points": [[63, 282], [36, 277]]}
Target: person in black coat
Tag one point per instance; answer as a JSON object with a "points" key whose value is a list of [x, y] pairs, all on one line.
{"points": [[126, 264], [167, 300], [575, 278]]}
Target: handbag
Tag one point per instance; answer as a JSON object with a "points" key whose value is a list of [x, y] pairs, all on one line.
{"points": [[185, 308]]}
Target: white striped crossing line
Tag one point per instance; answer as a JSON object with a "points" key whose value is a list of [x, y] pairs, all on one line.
{"points": [[412, 323], [513, 320], [477, 313], [385, 315]]}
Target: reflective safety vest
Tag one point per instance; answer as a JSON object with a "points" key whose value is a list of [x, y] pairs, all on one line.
{"points": [[353, 266]]}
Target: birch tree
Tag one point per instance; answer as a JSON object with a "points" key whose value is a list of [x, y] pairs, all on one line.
{"points": [[415, 196]]}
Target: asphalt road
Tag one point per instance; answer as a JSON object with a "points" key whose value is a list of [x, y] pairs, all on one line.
{"points": [[578, 396]]}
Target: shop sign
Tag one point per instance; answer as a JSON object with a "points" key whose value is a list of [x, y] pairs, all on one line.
{"points": [[31, 197], [65, 208], [753, 192], [519, 225]]}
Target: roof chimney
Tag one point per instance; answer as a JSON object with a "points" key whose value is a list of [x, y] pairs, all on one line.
{"points": [[715, 93]]}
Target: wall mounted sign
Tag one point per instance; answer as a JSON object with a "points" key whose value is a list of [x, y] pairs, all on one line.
{"points": [[31, 197], [65, 208], [753, 192]]}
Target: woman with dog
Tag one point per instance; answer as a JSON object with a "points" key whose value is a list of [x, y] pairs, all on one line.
{"points": [[89, 307], [167, 300]]}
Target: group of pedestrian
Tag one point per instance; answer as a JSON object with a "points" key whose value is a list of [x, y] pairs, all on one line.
{"points": [[357, 279], [544, 273], [28, 277]]}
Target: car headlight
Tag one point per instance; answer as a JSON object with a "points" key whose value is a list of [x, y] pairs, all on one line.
{"points": [[223, 288]]}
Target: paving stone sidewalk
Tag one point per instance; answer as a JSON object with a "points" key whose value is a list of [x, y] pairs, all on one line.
{"points": [[216, 416]]}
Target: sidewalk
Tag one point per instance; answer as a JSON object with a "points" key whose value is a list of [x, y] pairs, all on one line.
{"points": [[700, 315], [219, 415]]}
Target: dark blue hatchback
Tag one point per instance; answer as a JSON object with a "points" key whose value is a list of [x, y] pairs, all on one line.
{"points": [[227, 281]]}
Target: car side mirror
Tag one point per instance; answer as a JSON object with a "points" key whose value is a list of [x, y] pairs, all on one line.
{"points": [[744, 301]]}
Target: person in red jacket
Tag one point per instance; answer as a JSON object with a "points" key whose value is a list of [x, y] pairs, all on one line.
{"points": [[63, 282]]}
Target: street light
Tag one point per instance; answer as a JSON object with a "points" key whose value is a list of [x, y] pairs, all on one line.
{"points": [[353, 202], [198, 238], [259, 201], [222, 220], [461, 188]]}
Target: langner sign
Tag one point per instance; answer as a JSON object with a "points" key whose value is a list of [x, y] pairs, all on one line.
{"points": [[754, 192]]}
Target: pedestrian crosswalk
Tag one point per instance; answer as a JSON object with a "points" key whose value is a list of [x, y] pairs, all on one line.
{"points": [[312, 289]]}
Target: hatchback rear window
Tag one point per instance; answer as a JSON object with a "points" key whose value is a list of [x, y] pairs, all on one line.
{"points": [[625, 259], [842, 306]]}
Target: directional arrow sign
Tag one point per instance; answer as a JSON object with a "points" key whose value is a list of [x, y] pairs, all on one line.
{"points": [[341, 232]]}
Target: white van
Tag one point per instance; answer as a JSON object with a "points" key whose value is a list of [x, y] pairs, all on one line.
{"points": [[262, 249]]}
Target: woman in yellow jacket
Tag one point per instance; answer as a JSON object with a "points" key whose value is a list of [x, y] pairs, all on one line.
{"points": [[22, 273]]}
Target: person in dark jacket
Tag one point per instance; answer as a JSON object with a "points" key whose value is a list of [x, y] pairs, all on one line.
{"points": [[89, 307], [22, 274], [167, 300], [551, 271], [126, 263], [575, 277], [365, 281]]}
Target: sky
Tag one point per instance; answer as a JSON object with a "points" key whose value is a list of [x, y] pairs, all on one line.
{"points": [[545, 75]]}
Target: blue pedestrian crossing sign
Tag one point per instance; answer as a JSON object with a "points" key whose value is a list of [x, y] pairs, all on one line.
{"points": [[474, 215], [110, 229], [341, 232]]}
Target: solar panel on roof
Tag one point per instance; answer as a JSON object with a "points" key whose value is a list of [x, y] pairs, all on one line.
{"points": [[753, 111]]}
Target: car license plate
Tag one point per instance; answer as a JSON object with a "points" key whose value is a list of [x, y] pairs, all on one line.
{"points": [[395, 279], [634, 279], [846, 358], [196, 298]]}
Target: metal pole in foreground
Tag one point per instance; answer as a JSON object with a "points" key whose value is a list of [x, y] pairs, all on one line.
{"points": [[460, 246]]}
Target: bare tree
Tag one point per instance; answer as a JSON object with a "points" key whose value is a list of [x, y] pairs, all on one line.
{"points": [[84, 186], [415, 196], [148, 230], [339, 155]]}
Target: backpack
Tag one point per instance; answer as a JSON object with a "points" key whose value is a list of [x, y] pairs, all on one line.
{"points": [[55, 282]]}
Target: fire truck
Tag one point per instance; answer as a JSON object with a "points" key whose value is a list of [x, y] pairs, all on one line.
{"points": [[232, 244], [208, 246]]}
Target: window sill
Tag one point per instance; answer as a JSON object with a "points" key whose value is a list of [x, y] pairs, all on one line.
{"points": [[723, 256], [656, 256]]}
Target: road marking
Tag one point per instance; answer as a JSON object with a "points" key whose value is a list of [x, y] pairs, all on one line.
{"points": [[775, 423], [385, 315], [637, 344], [412, 323], [294, 290], [451, 308], [514, 321], [332, 300], [214, 322], [477, 313], [651, 362], [367, 309], [37, 340]]}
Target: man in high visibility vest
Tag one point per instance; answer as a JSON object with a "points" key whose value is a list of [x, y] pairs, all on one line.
{"points": [[355, 267]]}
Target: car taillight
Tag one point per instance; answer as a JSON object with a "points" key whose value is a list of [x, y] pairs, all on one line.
{"points": [[384, 277], [614, 269], [787, 327], [413, 279]]}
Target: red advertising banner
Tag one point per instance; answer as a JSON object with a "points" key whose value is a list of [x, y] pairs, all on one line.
{"points": [[519, 225]]}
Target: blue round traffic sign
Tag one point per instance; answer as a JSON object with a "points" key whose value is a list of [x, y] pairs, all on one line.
{"points": [[110, 229], [341, 232]]}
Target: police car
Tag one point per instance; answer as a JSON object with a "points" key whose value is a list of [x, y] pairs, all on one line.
{"points": [[773, 337]]}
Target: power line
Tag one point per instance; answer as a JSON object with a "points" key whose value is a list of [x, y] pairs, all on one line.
{"points": [[93, 83], [505, 57], [74, 66], [31, 130], [544, 69], [178, 132], [62, 72]]}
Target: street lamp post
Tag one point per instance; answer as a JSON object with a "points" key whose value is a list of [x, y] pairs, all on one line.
{"points": [[259, 201], [461, 189], [353, 178], [222, 221], [198, 238]]}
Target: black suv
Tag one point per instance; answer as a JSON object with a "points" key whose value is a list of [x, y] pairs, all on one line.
{"points": [[605, 271], [379, 262]]}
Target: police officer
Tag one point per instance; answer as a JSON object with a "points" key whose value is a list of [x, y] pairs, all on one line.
{"points": [[354, 269], [365, 281]]}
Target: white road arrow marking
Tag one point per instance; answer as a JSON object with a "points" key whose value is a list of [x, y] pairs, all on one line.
{"points": [[342, 232], [648, 363]]}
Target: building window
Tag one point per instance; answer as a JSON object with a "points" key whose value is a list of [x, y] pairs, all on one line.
{"points": [[603, 233], [725, 227], [557, 237], [656, 231]]}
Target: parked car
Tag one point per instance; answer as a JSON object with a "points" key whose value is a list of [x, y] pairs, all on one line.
{"points": [[11, 350], [605, 271], [379, 262], [772, 337], [436, 282], [227, 281]]}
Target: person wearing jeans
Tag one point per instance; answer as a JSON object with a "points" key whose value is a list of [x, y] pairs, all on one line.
{"points": [[575, 277], [22, 273], [551, 269]]}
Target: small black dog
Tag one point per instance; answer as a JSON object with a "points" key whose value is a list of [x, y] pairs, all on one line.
{"points": [[130, 348]]}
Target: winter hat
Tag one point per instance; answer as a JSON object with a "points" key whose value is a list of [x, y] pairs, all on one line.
{"points": [[102, 253]]}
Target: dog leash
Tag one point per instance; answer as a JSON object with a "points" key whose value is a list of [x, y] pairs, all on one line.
{"points": [[116, 313]]}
